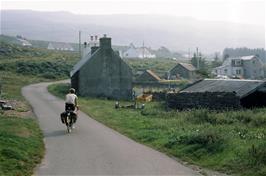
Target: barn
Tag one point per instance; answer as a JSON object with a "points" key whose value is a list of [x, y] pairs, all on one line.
{"points": [[102, 74], [220, 94]]}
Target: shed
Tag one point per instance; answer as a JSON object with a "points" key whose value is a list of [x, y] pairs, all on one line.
{"points": [[102, 74], [183, 70], [148, 76], [219, 94]]}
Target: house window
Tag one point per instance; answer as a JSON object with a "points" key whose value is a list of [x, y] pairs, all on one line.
{"points": [[238, 72], [225, 71]]}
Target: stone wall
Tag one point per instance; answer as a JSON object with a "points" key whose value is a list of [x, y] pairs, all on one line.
{"points": [[210, 100]]}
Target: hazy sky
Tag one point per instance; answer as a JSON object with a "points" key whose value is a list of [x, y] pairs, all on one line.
{"points": [[240, 11]]}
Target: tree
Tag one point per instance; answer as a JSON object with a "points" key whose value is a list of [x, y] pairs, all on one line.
{"points": [[198, 61]]}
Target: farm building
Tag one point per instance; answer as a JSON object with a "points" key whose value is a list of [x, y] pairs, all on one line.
{"points": [[102, 74], [60, 46], [220, 94], [182, 70], [148, 76]]}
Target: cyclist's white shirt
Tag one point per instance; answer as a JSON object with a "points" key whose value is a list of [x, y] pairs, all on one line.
{"points": [[70, 98]]}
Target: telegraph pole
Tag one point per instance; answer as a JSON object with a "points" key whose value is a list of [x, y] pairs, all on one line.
{"points": [[143, 50], [79, 44], [197, 56]]}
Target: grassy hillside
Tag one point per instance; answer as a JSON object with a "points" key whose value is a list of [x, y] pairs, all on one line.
{"points": [[38, 62], [233, 142]]}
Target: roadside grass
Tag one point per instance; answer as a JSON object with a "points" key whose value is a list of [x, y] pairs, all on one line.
{"points": [[21, 145], [232, 142]]}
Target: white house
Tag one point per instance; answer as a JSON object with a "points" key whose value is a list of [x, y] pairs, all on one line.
{"points": [[24, 42], [134, 52], [60, 46], [246, 67]]}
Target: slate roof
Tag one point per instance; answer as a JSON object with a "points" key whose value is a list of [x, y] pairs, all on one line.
{"points": [[247, 57], [80, 63], [187, 66], [228, 61], [242, 88], [153, 75]]}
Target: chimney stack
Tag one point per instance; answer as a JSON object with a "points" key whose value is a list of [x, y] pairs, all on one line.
{"points": [[105, 42]]}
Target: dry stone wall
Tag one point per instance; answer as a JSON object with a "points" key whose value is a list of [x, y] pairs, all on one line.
{"points": [[210, 100]]}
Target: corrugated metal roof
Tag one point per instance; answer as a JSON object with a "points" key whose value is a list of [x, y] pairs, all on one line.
{"points": [[242, 88]]}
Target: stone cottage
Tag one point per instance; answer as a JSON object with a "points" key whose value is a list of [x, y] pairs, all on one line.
{"points": [[102, 73], [182, 70], [220, 94]]}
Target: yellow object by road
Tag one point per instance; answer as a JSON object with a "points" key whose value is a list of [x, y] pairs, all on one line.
{"points": [[144, 98]]}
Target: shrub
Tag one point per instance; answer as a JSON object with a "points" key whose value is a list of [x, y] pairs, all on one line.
{"points": [[209, 140], [256, 155], [201, 116], [258, 121], [46, 69]]}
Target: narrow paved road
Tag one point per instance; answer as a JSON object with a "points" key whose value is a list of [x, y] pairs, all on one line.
{"points": [[92, 148]]}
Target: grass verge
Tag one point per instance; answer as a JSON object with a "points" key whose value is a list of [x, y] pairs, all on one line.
{"points": [[21, 144], [232, 142]]}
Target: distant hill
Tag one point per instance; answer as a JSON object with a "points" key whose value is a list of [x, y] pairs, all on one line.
{"points": [[176, 33]]}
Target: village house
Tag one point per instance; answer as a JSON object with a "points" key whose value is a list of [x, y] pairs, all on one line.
{"points": [[220, 94], [148, 76], [246, 67], [102, 73], [60, 46], [134, 52], [182, 71], [23, 41]]}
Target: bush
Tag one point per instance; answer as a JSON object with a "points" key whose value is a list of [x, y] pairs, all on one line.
{"points": [[256, 155], [258, 121], [201, 116], [46, 69], [209, 140]]}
